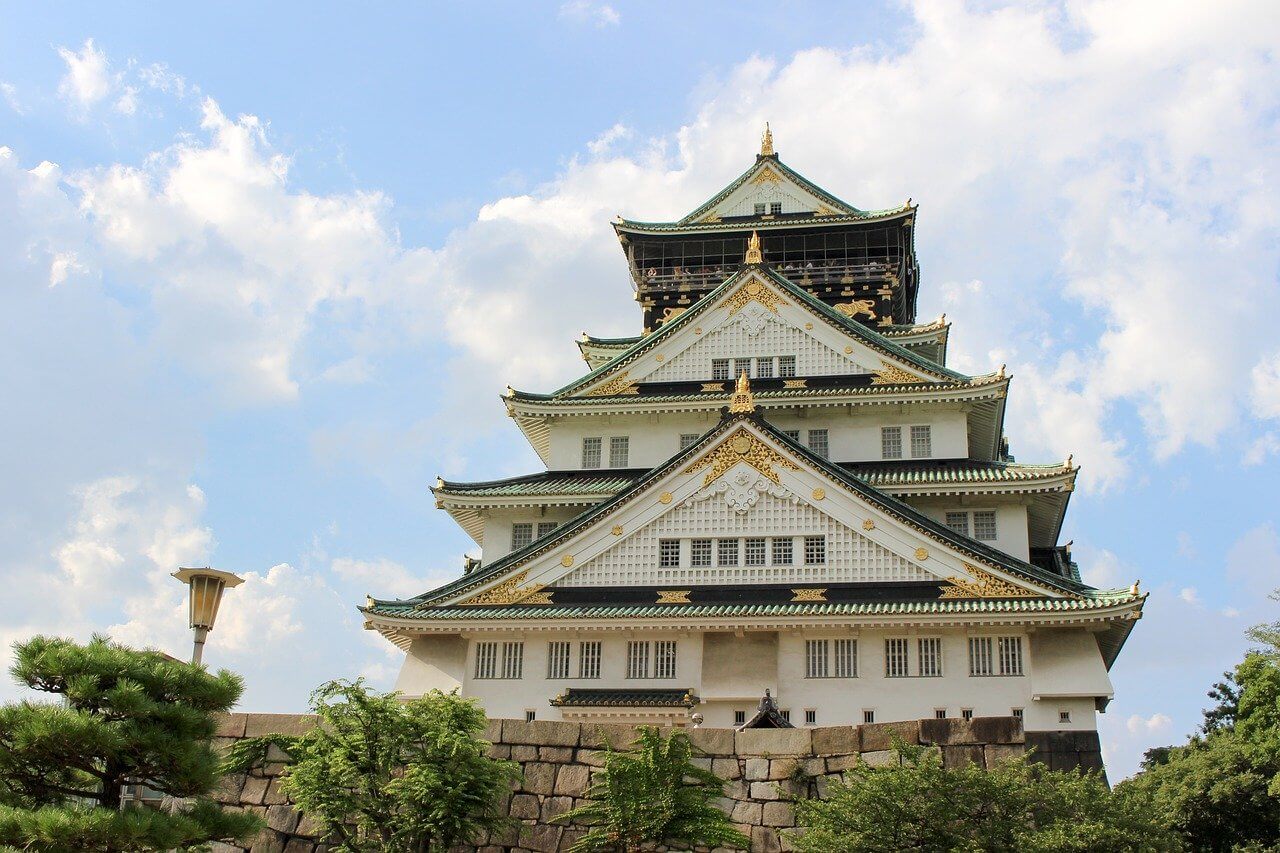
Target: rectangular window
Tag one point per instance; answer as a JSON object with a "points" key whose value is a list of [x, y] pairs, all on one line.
{"points": [[966, 713], [939, 713], [815, 550], [868, 716], [726, 552], [1064, 716], [759, 208], [786, 365], [545, 527], [589, 659], [637, 659], [818, 442], [558, 659], [895, 657], [984, 525], [668, 553], [719, 368], [739, 717], [891, 442], [846, 658], [785, 713], [530, 715], [793, 434], [700, 552], [775, 208], [521, 535], [486, 660], [753, 552], [810, 716], [741, 366], [591, 452], [764, 368], [921, 442], [1011, 656], [664, 659], [980, 656], [930, 649], [959, 522], [1016, 713], [687, 439], [513, 660], [782, 551], [815, 658], [619, 451]]}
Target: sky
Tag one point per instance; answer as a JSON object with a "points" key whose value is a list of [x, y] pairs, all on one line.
{"points": [[265, 271]]}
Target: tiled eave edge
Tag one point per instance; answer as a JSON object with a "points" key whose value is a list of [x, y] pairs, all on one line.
{"points": [[628, 226]]}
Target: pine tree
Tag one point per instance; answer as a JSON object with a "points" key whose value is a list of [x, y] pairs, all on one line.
{"points": [[125, 717]]}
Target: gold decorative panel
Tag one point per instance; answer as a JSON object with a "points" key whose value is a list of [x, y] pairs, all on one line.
{"points": [[664, 498], [753, 291], [891, 374], [922, 553], [767, 176], [673, 596], [809, 594], [984, 585], [742, 446], [617, 530], [509, 591], [619, 384], [856, 307], [868, 524], [566, 560], [795, 383], [819, 494]]}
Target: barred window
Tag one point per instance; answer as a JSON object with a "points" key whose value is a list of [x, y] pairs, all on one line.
{"points": [[486, 660], [891, 442], [793, 434], [775, 208], [895, 657], [664, 659], [959, 522], [815, 550], [700, 552], [980, 656], [782, 551], [668, 553], [1016, 712], [513, 660], [638, 659], [591, 452], [688, 439], [810, 716], [966, 713], [753, 552], [720, 368], [558, 659], [939, 713], [764, 368], [1064, 716], [786, 365], [589, 659], [846, 658], [726, 552], [930, 649], [785, 713], [921, 441], [818, 442], [530, 715], [545, 527], [815, 658], [868, 716], [1011, 656], [739, 717], [984, 525], [619, 451], [521, 534]]}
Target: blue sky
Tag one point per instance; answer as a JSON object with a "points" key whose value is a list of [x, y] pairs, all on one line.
{"points": [[266, 271]]}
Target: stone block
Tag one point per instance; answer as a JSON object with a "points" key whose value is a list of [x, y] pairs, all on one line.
{"points": [[539, 778], [267, 841], [299, 845], [572, 780], [949, 730], [724, 805], [836, 740], [1051, 741], [254, 791], [1091, 760], [756, 769], [779, 814], [258, 725], [713, 741], [499, 752], [555, 754], [785, 768], [273, 768], [998, 730], [553, 807], [841, 763], [219, 847], [307, 826], [230, 725], [614, 736], [789, 838], [282, 819], [523, 753], [747, 812], [774, 742], [702, 761], [765, 791], [591, 757], [881, 758], [879, 736], [492, 731], [765, 839], [996, 753], [541, 837], [958, 755], [524, 806], [541, 732], [228, 789], [726, 768], [274, 796]]}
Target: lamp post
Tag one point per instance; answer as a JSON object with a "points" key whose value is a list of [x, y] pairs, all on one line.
{"points": [[205, 587]]}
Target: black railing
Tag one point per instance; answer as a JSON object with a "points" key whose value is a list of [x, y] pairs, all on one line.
{"points": [[805, 274]]}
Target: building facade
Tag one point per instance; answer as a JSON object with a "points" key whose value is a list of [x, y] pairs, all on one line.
{"points": [[779, 485]]}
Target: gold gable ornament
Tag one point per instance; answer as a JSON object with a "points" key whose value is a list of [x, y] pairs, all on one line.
{"points": [[984, 585], [742, 446], [753, 291], [891, 374], [620, 384], [742, 402], [509, 591], [754, 255]]}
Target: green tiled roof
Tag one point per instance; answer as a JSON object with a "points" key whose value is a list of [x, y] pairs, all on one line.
{"points": [[548, 483], [762, 394], [661, 697]]}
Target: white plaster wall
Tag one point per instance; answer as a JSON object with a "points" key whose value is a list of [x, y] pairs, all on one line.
{"points": [[433, 663], [496, 541], [1012, 532]]}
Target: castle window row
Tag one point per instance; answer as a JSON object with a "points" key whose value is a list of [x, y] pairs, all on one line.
{"points": [[522, 532], [920, 435], [763, 367], [750, 551], [983, 524], [817, 440], [619, 451]]}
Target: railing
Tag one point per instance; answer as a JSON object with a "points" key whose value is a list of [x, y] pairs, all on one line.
{"points": [[805, 274]]}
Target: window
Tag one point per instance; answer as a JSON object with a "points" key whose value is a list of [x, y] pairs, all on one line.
{"points": [[793, 434], [966, 713], [687, 439], [760, 209], [930, 649], [545, 527], [1011, 656], [980, 656], [846, 658], [818, 442], [589, 659], [782, 551], [619, 450], [815, 658], [764, 368], [895, 657], [984, 525], [664, 659], [815, 550], [868, 716], [719, 368], [786, 365], [700, 552], [775, 208], [1064, 716], [521, 535], [921, 441], [591, 452], [810, 716], [753, 552], [959, 522], [891, 442], [513, 660], [741, 366], [739, 717], [558, 659], [668, 553], [939, 713], [637, 659], [785, 713], [486, 660], [1016, 713], [530, 715], [726, 552]]}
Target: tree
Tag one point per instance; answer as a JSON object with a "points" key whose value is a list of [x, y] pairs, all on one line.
{"points": [[383, 775], [917, 804], [127, 717], [653, 794]]}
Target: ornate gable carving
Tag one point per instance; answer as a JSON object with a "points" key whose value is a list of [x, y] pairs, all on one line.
{"points": [[891, 374], [753, 291], [742, 446], [985, 585], [742, 491], [620, 384], [510, 591]]}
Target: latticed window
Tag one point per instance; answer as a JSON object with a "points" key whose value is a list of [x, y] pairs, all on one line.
{"points": [[619, 451], [688, 439], [545, 527], [984, 525], [815, 658], [668, 553], [1011, 656], [818, 442], [764, 368], [980, 656], [846, 658], [930, 649], [700, 552], [486, 660], [786, 365], [513, 660], [959, 522], [891, 442], [815, 550], [895, 658], [793, 434], [775, 208], [591, 452], [521, 534], [741, 366], [638, 659], [782, 551], [558, 659], [753, 552], [589, 659], [664, 659], [921, 441], [720, 368], [727, 552]]}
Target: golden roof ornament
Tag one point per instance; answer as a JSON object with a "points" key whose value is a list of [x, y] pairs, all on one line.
{"points": [[766, 142], [754, 255], [742, 400]]}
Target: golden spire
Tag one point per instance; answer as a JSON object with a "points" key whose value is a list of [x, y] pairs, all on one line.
{"points": [[742, 400], [754, 255], [766, 142]]}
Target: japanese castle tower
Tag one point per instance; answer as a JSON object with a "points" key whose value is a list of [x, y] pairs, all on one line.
{"points": [[778, 486]]}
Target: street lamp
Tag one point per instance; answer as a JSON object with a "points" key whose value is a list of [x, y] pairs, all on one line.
{"points": [[206, 586]]}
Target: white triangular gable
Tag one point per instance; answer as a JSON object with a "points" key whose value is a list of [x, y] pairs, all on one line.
{"points": [[767, 185]]}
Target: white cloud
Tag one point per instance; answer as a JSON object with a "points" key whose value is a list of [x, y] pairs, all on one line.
{"points": [[1186, 545], [1262, 448], [1190, 595], [1265, 392], [1155, 724], [602, 143], [127, 103], [88, 77], [384, 577], [1103, 569], [599, 14], [10, 94], [158, 76]]}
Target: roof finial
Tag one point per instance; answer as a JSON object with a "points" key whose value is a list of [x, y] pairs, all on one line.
{"points": [[754, 255], [766, 142], [742, 400]]}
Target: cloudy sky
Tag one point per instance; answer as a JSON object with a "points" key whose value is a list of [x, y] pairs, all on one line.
{"points": [[265, 270]]}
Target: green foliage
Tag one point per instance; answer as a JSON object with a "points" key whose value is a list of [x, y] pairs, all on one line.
{"points": [[127, 717], [653, 794], [248, 753], [917, 804], [383, 775]]}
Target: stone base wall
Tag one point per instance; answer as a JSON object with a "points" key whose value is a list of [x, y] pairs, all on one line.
{"points": [[764, 769]]}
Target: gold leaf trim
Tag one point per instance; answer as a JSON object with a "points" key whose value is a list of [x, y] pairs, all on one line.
{"points": [[753, 291], [712, 386], [795, 383], [566, 560], [819, 494], [617, 530], [543, 597], [665, 498], [742, 446], [809, 594], [922, 553], [868, 524], [985, 585], [673, 596], [891, 374], [509, 591], [767, 176], [620, 384]]}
